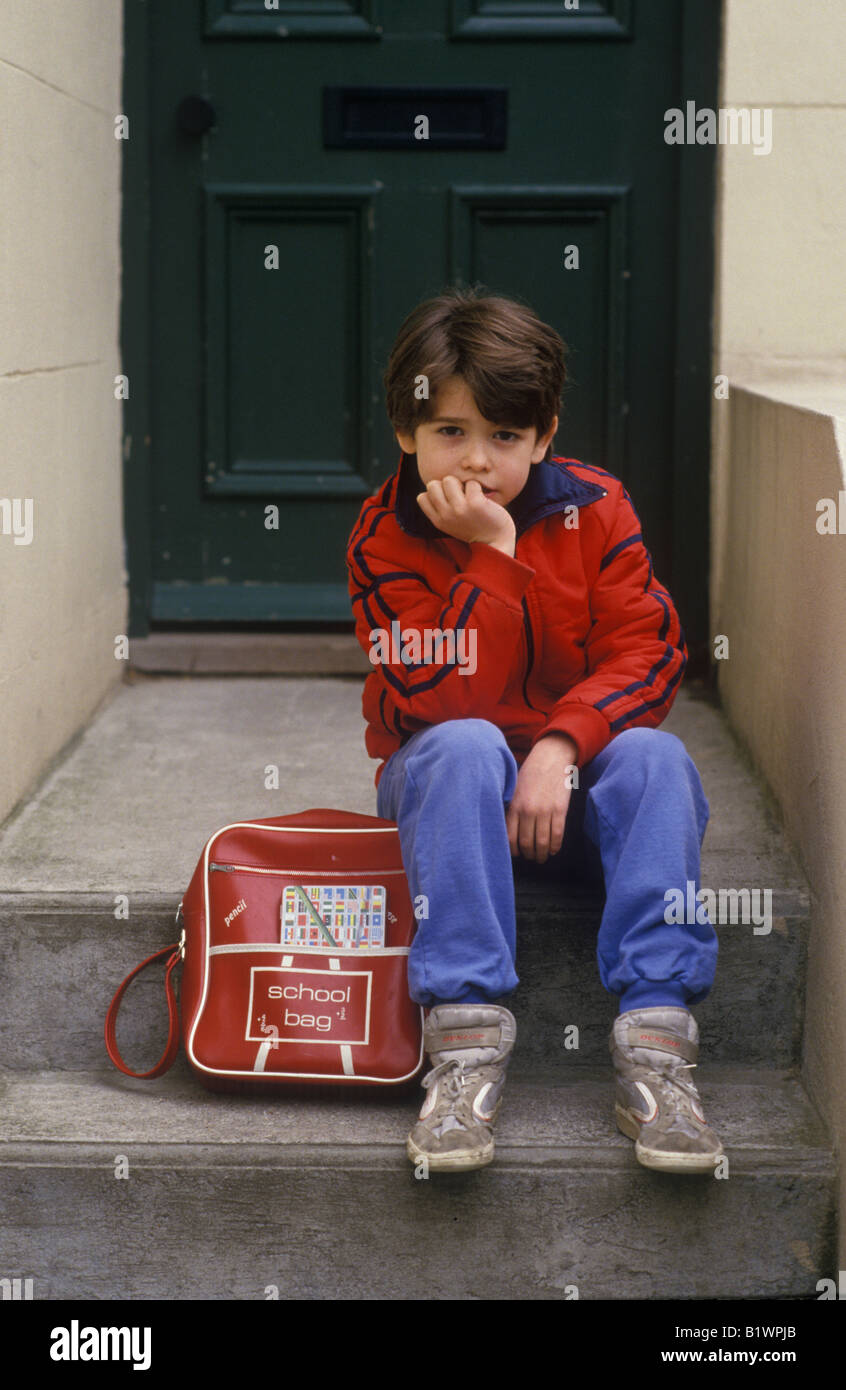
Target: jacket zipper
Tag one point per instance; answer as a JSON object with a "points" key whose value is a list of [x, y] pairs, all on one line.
{"points": [[530, 652], [527, 622]]}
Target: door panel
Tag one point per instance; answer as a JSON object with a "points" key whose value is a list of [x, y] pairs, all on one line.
{"points": [[315, 312], [325, 19], [516, 237], [531, 19]]}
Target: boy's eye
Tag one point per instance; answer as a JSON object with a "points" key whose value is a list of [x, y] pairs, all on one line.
{"points": [[447, 429]]}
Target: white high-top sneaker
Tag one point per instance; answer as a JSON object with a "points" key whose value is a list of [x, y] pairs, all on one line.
{"points": [[469, 1045], [658, 1105]]}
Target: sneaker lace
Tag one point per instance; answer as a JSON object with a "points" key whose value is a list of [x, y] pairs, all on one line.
{"points": [[671, 1072], [456, 1074]]}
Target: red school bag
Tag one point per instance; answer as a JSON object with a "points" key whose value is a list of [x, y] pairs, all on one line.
{"points": [[296, 933]]}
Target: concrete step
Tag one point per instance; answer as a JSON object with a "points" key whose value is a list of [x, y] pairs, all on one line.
{"points": [[752, 1016], [272, 653], [227, 1198], [167, 761], [69, 953]]}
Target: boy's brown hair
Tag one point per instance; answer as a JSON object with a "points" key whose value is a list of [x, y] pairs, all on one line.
{"points": [[511, 361]]}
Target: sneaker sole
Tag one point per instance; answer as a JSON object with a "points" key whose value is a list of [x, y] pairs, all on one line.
{"points": [[459, 1160], [661, 1160]]}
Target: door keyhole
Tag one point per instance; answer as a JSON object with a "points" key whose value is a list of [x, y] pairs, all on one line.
{"points": [[195, 115]]}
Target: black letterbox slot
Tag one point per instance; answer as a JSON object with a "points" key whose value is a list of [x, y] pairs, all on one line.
{"points": [[389, 118]]}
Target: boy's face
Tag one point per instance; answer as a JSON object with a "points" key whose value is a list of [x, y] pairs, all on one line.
{"points": [[460, 442]]}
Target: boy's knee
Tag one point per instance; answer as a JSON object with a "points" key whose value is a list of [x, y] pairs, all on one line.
{"points": [[653, 748], [658, 754], [461, 743]]}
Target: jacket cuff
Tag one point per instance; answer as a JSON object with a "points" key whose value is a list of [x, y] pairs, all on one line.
{"points": [[588, 729], [497, 573]]}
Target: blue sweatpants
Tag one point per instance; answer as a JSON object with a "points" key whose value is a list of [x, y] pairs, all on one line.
{"points": [[637, 819]]}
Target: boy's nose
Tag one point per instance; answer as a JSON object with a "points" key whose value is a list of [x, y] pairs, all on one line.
{"points": [[476, 457]]}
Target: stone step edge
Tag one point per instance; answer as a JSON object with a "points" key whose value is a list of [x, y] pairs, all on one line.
{"points": [[750, 1162], [182, 1075], [787, 900], [576, 1091]]}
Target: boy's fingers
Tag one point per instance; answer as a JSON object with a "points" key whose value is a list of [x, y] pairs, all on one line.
{"points": [[443, 502], [432, 498], [453, 491], [556, 838], [542, 849], [432, 492], [538, 835], [533, 835], [549, 835], [476, 498], [526, 835]]}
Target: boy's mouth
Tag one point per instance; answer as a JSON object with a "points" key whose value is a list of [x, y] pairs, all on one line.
{"points": [[483, 486], [486, 490]]}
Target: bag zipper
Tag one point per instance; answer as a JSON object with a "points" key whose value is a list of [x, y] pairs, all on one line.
{"points": [[301, 873]]}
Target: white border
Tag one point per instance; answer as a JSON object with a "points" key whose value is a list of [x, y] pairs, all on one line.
{"points": [[333, 975]]}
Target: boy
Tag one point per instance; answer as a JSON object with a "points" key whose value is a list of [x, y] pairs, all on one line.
{"points": [[528, 638]]}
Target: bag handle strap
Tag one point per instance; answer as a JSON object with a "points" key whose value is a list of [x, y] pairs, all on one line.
{"points": [[168, 1057]]}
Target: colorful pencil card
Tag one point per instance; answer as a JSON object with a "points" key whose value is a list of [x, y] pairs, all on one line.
{"points": [[340, 915]]}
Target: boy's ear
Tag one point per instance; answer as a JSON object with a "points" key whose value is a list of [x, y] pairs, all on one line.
{"points": [[542, 442], [406, 442]]}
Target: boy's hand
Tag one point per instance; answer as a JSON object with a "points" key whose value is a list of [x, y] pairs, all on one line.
{"points": [[467, 514], [538, 809]]}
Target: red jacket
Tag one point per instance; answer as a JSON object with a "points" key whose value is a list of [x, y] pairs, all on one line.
{"points": [[573, 633]]}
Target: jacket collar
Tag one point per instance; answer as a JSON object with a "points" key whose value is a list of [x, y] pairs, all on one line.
{"points": [[550, 487]]}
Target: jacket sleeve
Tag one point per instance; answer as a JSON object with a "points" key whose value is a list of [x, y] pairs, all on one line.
{"points": [[464, 675], [635, 649]]}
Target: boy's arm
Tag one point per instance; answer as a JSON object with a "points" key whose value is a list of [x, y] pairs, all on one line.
{"points": [[481, 605], [635, 649]]}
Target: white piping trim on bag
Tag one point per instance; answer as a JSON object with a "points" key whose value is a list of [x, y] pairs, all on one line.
{"points": [[235, 948]]}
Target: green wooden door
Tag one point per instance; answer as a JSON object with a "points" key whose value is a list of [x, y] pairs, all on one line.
{"points": [[289, 238]]}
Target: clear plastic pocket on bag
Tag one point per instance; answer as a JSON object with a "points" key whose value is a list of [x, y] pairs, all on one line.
{"points": [[334, 915], [315, 911]]}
